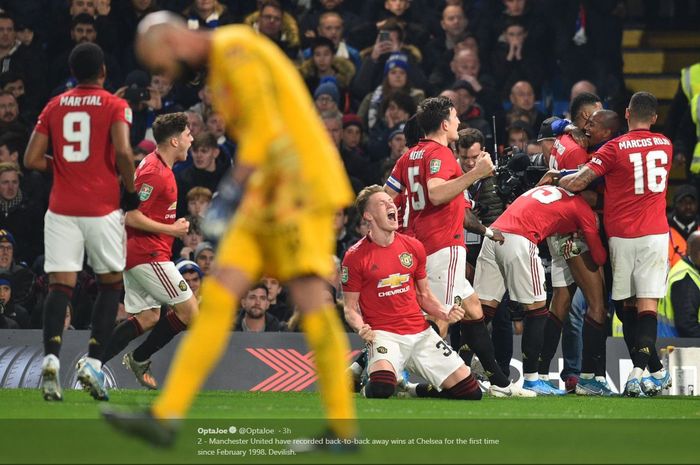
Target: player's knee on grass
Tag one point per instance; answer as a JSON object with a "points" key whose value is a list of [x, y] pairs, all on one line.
{"points": [[382, 384]]}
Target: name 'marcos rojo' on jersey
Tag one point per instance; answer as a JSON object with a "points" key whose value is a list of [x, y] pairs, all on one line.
{"points": [[547, 210], [78, 124], [636, 167], [385, 277], [436, 226]]}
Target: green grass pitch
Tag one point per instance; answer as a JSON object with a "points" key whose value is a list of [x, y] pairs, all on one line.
{"points": [[542, 430]]}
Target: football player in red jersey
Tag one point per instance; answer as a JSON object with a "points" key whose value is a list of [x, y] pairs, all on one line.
{"points": [[516, 266], [635, 166], [434, 185], [88, 131], [572, 265], [151, 278], [385, 286]]}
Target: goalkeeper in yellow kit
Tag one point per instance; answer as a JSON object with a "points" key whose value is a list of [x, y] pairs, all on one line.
{"points": [[286, 186]]}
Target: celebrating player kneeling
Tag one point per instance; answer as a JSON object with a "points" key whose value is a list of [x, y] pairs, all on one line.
{"points": [[385, 285]]}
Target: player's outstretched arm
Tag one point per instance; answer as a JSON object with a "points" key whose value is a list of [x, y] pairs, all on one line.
{"points": [[578, 181], [34, 156]]}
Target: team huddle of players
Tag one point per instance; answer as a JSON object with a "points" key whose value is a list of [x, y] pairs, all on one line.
{"points": [[390, 276]]}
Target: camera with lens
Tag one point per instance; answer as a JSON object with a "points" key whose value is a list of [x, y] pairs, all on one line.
{"points": [[135, 94], [516, 174]]}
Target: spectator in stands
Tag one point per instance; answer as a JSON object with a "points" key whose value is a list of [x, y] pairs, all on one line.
{"points": [[327, 97], [21, 277], [21, 214], [142, 99], [397, 143], [19, 58], [204, 172], [546, 138], [356, 165], [126, 16], [311, 21], [440, 49], [204, 256], [10, 121], [12, 315], [142, 149], [683, 221], [678, 311], [324, 63], [396, 79], [13, 82], [389, 41], [198, 199], [351, 140], [517, 134], [186, 248], [331, 26], [167, 90], [207, 14], [191, 272], [61, 18], [396, 109], [279, 26], [279, 308], [255, 318], [514, 60], [415, 22], [344, 236], [469, 111], [522, 97], [82, 29], [32, 183], [203, 107], [466, 66], [195, 122], [216, 125]]}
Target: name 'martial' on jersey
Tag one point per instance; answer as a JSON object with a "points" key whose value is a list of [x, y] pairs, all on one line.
{"points": [[80, 100]]}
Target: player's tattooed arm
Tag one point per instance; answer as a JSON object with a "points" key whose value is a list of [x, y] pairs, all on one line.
{"points": [[578, 181]]}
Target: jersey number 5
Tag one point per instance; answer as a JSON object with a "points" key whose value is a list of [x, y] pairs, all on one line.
{"points": [[655, 171], [76, 131]]}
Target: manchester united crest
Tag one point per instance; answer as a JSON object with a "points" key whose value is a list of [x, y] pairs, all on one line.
{"points": [[406, 259], [182, 286]]}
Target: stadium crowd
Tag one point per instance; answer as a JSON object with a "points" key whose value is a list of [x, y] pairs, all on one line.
{"points": [[507, 66]]}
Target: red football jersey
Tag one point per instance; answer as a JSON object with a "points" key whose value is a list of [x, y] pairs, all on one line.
{"points": [[157, 190], [567, 154], [436, 226], [635, 166], [78, 124], [547, 210], [385, 278]]}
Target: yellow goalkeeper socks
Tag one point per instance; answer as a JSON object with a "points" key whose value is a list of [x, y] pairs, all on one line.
{"points": [[325, 336], [199, 351]]}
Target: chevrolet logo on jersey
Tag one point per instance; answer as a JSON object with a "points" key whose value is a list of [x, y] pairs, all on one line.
{"points": [[394, 280]]}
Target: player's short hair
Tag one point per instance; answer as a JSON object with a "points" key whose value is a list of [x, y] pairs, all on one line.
{"points": [[10, 166], [205, 139], [469, 137], [643, 106], [199, 192], [432, 112], [169, 125], [364, 195], [258, 285], [584, 98], [86, 61]]}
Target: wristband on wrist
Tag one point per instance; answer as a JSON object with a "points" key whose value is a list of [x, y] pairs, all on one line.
{"points": [[488, 233]]}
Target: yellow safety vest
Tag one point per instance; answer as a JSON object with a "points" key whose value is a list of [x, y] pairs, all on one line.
{"points": [[666, 317], [695, 112], [690, 80]]}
